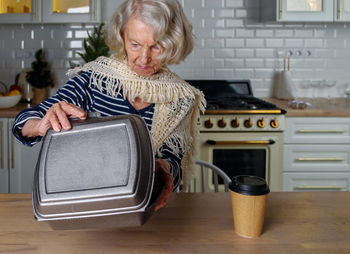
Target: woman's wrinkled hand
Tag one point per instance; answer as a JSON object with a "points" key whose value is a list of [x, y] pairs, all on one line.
{"points": [[164, 178], [56, 118]]}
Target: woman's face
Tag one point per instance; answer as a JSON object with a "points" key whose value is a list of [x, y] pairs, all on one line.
{"points": [[141, 49]]}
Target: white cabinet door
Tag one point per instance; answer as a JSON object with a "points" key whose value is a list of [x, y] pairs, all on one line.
{"points": [[67, 11], [317, 130], [20, 11], [316, 181], [316, 154], [22, 163], [342, 10], [297, 10], [4, 177], [305, 10], [316, 158]]}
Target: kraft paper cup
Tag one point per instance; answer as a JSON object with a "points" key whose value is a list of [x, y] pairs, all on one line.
{"points": [[248, 195]]}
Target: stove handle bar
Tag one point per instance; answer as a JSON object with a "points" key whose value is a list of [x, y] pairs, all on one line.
{"points": [[241, 142]]}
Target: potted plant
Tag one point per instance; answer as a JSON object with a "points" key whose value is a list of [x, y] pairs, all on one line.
{"points": [[94, 46], [40, 77]]}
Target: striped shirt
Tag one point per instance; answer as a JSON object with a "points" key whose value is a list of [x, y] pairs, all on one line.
{"points": [[78, 92]]}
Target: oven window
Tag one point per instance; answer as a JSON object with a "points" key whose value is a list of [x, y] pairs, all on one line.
{"points": [[240, 162]]}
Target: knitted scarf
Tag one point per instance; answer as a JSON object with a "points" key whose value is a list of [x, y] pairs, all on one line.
{"points": [[177, 104]]}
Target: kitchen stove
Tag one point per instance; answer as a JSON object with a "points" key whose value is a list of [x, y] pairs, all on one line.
{"points": [[239, 133], [231, 106]]}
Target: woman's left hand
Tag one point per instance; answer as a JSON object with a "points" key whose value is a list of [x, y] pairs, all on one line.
{"points": [[164, 178]]}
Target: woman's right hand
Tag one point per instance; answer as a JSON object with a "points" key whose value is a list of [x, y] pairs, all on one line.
{"points": [[56, 117]]}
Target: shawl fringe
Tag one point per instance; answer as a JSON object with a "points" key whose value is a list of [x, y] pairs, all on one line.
{"points": [[162, 87]]}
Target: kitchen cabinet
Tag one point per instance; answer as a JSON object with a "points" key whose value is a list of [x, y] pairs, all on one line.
{"points": [[305, 10], [342, 10], [23, 11], [4, 178], [50, 11], [17, 162], [67, 11], [316, 154]]}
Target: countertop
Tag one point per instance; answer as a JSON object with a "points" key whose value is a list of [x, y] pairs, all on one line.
{"points": [[12, 112], [295, 222], [336, 107]]}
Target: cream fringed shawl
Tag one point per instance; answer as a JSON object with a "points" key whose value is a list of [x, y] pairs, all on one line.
{"points": [[177, 104]]}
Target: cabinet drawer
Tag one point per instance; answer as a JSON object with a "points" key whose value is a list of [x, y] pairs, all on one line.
{"points": [[316, 158], [317, 130], [316, 181]]}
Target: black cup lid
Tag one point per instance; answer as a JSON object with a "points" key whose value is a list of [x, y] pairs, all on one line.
{"points": [[249, 185]]}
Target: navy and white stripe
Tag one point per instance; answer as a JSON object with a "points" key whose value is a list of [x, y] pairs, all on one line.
{"points": [[78, 92]]}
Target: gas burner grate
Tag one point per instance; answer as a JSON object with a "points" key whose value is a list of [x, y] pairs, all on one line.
{"points": [[231, 95], [239, 102]]}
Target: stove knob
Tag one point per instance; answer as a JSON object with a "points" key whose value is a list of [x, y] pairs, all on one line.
{"points": [[248, 123], [261, 123], [235, 122], [274, 123], [222, 123], [209, 123]]}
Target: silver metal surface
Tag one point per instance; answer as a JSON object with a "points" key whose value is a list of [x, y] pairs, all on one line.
{"points": [[101, 169]]}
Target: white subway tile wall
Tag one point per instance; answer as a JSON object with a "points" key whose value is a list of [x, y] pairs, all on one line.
{"points": [[231, 43]]}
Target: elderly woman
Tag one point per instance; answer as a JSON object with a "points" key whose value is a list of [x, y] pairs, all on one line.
{"points": [[146, 36]]}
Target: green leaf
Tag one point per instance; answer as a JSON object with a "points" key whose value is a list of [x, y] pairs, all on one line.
{"points": [[94, 45]]}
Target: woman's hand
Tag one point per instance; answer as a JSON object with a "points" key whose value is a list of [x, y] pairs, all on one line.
{"points": [[56, 117], [164, 178]]}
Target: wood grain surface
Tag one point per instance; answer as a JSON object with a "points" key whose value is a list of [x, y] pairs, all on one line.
{"points": [[336, 107], [295, 222], [13, 111]]}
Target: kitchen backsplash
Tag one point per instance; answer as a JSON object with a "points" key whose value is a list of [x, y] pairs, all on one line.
{"points": [[231, 44]]}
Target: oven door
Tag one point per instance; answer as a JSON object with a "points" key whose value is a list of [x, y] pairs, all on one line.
{"points": [[241, 153]]}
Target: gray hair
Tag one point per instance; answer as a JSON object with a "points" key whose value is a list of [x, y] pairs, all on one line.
{"points": [[173, 31]]}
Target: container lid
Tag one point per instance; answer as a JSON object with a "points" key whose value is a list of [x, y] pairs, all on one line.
{"points": [[101, 166], [249, 185]]}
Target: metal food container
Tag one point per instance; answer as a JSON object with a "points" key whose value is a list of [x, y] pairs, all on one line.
{"points": [[99, 174]]}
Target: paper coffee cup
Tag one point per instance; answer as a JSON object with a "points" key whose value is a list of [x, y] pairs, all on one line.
{"points": [[248, 195]]}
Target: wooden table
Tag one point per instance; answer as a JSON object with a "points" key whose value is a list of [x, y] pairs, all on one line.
{"points": [[312, 222]]}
